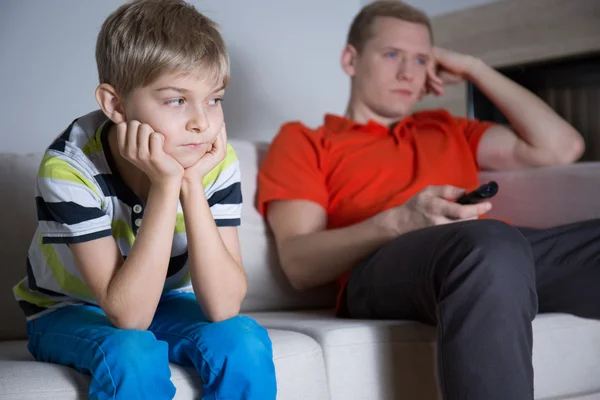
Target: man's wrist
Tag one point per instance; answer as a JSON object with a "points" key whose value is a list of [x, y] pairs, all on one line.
{"points": [[477, 67]]}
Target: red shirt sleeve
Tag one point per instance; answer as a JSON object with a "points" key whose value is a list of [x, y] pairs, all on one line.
{"points": [[473, 130], [293, 168]]}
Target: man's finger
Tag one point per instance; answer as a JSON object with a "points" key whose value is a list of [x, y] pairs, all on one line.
{"points": [[463, 212], [447, 192]]}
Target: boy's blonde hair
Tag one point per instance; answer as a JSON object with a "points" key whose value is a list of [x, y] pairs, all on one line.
{"points": [[144, 39], [361, 29]]}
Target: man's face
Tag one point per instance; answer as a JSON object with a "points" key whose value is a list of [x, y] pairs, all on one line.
{"points": [[390, 73], [185, 109]]}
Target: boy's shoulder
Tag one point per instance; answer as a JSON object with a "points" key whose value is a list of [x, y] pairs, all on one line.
{"points": [[83, 134], [77, 154]]}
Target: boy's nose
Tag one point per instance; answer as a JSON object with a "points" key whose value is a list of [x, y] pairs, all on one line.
{"points": [[197, 123]]}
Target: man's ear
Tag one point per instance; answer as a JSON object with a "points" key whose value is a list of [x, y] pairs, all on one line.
{"points": [[110, 103], [349, 56]]}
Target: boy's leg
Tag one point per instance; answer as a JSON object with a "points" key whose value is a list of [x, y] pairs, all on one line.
{"points": [[475, 281], [233, 357], [567, 260], [124, 364]]}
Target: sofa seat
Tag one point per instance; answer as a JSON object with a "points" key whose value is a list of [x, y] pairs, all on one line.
{"points": [[396, 359], [298, 362]]}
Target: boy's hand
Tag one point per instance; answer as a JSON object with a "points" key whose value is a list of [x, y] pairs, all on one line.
{"points": [[448, 67], [216, 154], [143, 147]]}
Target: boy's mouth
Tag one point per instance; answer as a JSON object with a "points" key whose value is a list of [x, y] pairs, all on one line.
{"points": [[194, 145]]}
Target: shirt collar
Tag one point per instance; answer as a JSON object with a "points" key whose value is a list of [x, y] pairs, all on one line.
{"points": [[339, 124]]}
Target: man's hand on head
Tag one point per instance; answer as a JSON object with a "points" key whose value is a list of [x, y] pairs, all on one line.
{"points": [[448, 67]]}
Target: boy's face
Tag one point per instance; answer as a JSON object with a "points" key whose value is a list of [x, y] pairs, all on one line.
{"points": [[390, 73], [185, 109]]}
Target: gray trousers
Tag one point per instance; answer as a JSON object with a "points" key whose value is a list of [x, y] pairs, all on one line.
{"points": [[481, 283]]}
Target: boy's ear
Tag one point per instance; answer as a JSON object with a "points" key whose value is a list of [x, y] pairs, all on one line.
{"points": [[348, 61], [110, 103]]}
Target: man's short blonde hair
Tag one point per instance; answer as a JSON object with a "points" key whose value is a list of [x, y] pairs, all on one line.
{"points": [[361, 29], [144, 39]]}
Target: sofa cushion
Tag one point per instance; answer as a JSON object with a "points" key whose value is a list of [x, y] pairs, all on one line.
{"points": [[396, 359], [298, 362], [17, 211]]}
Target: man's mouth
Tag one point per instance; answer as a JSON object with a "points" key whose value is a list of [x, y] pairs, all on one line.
{"points": [[402, 92]]}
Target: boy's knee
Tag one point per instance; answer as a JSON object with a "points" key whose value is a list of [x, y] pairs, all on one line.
{"points": [[139, 355], [244, 339], [245, 349]]}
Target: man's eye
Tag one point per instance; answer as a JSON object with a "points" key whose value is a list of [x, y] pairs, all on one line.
{"points": [[421, 61], [176, 102], [391, 54], [215, 101]]}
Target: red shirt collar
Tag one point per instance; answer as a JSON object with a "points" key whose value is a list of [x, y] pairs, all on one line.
{"points": [[338, 124]]}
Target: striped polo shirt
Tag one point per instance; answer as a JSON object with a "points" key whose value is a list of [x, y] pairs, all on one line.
{"points": [[80, 196]]}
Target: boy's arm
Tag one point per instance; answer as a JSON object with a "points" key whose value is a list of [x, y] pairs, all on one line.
{"points": [[216, 270], [215, 264], [540, 137], [128, 292]]}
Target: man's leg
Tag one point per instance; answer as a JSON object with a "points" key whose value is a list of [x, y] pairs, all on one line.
{"points": [[124, 364], [234, 357], [567, 260], [475, 281]]}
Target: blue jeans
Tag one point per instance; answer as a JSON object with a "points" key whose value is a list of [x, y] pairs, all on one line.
{"points": [[234, 357]]}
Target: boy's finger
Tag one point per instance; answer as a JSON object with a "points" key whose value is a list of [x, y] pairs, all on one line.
{"points": [[156, 143], [132, 128], [143, 139], [122, 135]]}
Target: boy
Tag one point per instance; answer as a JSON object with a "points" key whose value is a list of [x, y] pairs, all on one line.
{"points": [[118, 298]]}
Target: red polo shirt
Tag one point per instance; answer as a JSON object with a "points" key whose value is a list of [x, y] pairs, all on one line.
{"points": [[355, 171]]}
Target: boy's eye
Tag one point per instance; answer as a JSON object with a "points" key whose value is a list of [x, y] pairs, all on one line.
{"points": [[421, 61], [215, 101], [391, 54], [176, 102]]}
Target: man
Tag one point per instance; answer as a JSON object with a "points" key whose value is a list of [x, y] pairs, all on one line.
{"points": [[367, 199]]}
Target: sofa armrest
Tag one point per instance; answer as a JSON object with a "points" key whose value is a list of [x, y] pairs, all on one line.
{"points": [[546, 197]]}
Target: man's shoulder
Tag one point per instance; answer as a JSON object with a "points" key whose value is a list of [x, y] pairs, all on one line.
{"points": [[297, 128]]}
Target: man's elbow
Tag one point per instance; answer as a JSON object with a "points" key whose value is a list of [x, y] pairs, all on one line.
{"points": [[574, 151], [294, 275]]}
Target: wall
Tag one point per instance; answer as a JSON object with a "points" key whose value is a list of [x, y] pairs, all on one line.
{"points": [[438, 7], [284, 64]]}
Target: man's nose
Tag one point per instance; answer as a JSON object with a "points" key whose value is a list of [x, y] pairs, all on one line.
{"points": [[197, 121], [406, 68]]}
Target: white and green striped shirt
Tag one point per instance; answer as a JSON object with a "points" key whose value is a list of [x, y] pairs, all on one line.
{"points": [[81, 197]]}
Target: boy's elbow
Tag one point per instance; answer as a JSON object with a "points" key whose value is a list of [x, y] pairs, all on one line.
{"points": [[223, 313], [129, 322]]}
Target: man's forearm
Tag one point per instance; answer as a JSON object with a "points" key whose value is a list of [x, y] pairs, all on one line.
{"points": [[531, 118], [134, 292], [318, 258], [218, 280]]}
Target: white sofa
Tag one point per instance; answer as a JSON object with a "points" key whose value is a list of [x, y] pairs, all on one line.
{"points": [[317, 356]]}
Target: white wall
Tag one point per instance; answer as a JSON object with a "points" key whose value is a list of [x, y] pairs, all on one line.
{"points": [[437, 7], [284, 64]]}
